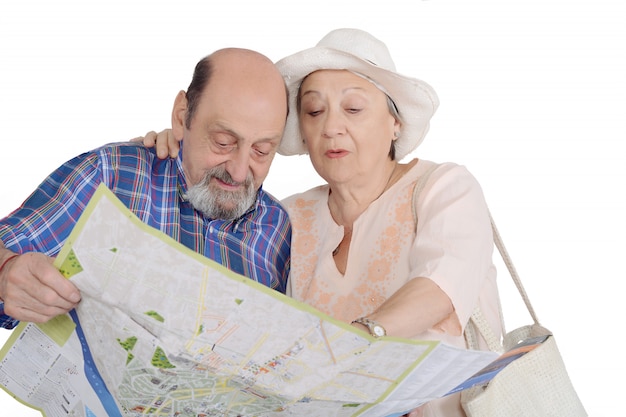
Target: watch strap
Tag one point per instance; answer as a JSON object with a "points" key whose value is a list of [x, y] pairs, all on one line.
{"points": [[374, 328]]}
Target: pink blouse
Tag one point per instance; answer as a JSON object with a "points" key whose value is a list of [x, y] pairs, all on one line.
{"points": [[453, 247]]}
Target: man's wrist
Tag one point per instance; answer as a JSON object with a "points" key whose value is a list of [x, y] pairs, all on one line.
{"points": [[7, 259], [3, 263]]}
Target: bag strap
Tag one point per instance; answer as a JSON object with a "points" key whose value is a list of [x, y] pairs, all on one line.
{"points": [[478, 323], [509, 265]]}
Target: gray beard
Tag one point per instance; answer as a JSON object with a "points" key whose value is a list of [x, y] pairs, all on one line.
{"points": [[217, 203]]}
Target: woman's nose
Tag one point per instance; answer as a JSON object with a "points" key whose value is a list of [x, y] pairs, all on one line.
{"points": [[334, 124]]}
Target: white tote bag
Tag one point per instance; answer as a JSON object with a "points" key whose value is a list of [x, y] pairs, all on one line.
{"points": [[536, 384], [533, 385]]}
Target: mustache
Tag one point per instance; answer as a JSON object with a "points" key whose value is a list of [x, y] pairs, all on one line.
{"points": [[222, 174]]}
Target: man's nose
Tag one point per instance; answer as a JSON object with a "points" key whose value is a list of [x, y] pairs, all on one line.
{"points": [[239, 165]]}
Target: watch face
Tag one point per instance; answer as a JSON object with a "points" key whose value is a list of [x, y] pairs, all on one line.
{"points": [[378, 331]]}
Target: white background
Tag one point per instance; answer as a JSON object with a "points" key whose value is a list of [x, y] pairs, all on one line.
{"points": [[532, 102]]}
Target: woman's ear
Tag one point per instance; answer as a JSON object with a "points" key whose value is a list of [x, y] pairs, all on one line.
{"points": [[179, 114], [397, 127]]}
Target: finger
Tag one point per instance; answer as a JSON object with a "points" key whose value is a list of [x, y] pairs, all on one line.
{"points": [[163, 144], [162, 147], [418, 412], [55, 289], [41, 315], [173, 144], [150, 139]]}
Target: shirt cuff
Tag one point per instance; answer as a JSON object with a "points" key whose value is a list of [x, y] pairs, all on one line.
{"points": [[6, 321]]}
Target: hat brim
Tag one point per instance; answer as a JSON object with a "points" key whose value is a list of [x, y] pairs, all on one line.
{"points": [[415, 99]]}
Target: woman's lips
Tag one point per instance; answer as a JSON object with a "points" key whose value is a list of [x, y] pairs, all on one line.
{"points": [[336, 153]]}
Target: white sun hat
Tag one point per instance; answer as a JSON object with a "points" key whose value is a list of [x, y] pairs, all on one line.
{"points": [[358, 51]]}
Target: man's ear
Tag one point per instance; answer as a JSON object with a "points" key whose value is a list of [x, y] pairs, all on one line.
{"points": [[179, 113]]}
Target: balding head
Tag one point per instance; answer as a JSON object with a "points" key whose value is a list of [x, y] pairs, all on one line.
{"points": [[242, 69]]}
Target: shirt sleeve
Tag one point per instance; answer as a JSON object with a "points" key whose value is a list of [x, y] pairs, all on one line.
{"points": [[44, 221], [6, 322], [454, 241]]}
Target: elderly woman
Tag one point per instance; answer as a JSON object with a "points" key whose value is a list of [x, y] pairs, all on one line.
{"points": [[357, 253]]}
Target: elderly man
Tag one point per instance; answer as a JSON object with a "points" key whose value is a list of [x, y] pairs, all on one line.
{"points": [[209, 198]]}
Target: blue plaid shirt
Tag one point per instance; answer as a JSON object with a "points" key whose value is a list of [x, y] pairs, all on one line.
{"points": [[256, 245]]}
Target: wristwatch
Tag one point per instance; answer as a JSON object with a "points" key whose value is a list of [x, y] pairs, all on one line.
{"points": [[375, 328]]}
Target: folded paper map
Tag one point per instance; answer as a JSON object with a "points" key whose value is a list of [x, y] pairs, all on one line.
{"points": [[164, 331]]}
